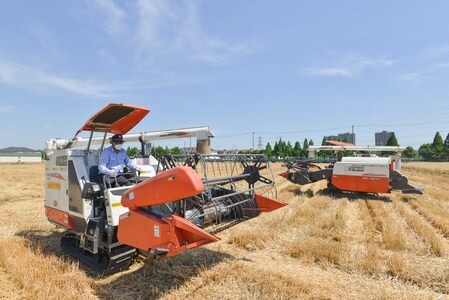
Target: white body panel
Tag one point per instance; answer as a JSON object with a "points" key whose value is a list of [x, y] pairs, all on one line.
{"points": [[59, 194], [57, 181], [147, 166], [363, 166], [113, 204]]}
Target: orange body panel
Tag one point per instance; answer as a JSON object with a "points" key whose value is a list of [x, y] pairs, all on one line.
{"points": [[168, 186], [266, 204], [367, 184], [60, 217], [173, 234]]}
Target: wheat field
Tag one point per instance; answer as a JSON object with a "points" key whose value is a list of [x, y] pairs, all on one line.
{"points": [[320, 246]]}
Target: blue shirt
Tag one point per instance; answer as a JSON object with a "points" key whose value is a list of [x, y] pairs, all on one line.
{"points": [[110, 159]]}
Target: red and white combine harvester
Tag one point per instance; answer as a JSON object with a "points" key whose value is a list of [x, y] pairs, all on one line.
{"points": [[366, 174], [176, 203]]}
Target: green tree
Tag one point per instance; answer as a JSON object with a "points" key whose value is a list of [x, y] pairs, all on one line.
{"points": [[297, 149], [446, 142], [409, 152], [426, 151], [132, 151], [305, 148], [289, 149], [392, 141], [282, 148], [446, 146], [438, 145], [158, 151], [276, 149], [268, 150], [305, 144], [437, 140], [175, 150]]}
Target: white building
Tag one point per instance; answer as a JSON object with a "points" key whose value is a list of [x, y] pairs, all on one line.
{"points": [[19, 155]]}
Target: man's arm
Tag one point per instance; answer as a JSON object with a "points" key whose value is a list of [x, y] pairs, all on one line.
{"points": [[129, 163], [102, 166]]}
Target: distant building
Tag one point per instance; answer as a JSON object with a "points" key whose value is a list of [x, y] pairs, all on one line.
{"points": [[331, 138], [342, 137], [347, 137], [20, 155], [382, 137]]}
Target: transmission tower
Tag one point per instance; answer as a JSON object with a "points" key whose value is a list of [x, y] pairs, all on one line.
{"points": [[259, 143]]}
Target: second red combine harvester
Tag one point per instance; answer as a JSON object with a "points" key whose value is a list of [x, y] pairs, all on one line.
{"points": [[366, 174], [176, 203]]}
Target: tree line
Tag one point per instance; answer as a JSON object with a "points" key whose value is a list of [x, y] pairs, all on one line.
{"points": [[438, 149]]}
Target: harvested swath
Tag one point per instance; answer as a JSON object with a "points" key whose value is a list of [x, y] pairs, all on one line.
{"points": [[437, 245], [434, 212]]}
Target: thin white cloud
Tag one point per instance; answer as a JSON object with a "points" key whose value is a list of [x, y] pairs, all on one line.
{"points": [[421, 75], [164, 31], [434, 52], [19, 75], [331, 72], [159, 32], [44, 37], [192, 38], [153, 16], [73, 85], [411, 77], [171, 30], [6, 108], [348, 66], [107, 56], [25, 76], [432, 60], [441, 66], [113, 18], [9, 72]]}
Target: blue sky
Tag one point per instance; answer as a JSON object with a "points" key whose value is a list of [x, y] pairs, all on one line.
{"points": [[263, 69]]}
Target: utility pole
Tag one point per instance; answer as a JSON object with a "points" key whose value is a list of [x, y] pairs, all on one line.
{"points": [[259, 144], [352, 135], [253, 140]]}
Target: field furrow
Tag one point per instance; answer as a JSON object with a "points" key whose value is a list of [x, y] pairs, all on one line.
{"points": [[435, 241], [433, 213]]}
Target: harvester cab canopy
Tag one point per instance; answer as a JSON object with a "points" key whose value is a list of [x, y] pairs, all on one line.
{"points": [[115, 118]]}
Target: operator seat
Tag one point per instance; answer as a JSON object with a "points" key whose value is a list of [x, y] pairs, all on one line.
{"points": [[93, 174]]}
